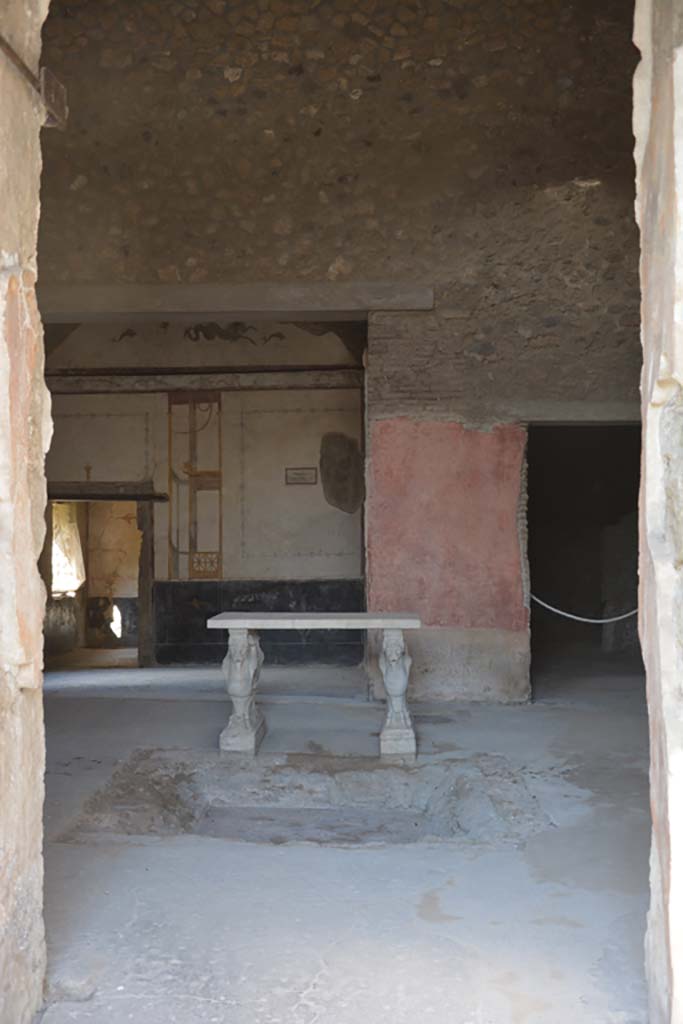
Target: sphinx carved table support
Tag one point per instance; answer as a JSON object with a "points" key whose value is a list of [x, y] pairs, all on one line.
{"points": [[397, 738], [241, 667]]}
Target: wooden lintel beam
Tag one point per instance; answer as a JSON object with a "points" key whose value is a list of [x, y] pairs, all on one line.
{"points": [[92, 490], [321, 301]]}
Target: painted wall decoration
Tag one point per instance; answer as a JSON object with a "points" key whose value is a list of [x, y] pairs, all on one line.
{"points": [[443, 531]]}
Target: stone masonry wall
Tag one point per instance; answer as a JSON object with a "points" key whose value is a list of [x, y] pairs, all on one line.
{"points": [[24, 433], [658, 121], [479, 146]]}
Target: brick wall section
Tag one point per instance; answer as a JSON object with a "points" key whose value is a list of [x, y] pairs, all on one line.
{"points": [[492, 368]]}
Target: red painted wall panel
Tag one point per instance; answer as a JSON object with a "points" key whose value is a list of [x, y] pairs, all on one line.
{"points": [[442, 535]]}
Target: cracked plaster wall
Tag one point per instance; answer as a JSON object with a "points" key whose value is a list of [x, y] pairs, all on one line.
{"points": [[113, 549], [658, 121], [24, 436]]}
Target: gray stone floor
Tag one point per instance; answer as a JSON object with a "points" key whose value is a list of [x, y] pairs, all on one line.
{"points": [[529, 911]]}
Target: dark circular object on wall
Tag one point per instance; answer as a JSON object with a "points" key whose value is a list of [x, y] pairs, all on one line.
{"points": [[342, 472]]}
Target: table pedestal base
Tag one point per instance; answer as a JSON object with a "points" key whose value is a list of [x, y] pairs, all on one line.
{"points": [[241, 668], [397, 738]]}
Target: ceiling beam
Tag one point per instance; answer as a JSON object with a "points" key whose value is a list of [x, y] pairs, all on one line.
{"points": [[129, 303], [90, 490], [111, 382]]}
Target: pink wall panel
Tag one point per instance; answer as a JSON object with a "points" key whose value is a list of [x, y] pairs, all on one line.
{"points": [[442, 530]]}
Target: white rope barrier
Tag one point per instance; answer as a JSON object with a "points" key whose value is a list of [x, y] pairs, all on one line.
{"points": [[580, 618]]}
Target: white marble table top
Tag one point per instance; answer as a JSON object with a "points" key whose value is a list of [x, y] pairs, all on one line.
{"points": [[314, 620]]}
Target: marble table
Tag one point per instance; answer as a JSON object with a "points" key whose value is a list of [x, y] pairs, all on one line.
{"points": [[242, 665]]}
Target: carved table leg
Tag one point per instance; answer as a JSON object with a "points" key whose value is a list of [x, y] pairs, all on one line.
{"points": [[241, 667], [397, 738]]}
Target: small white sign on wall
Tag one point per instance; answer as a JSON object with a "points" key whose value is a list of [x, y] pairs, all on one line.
{"points": [[301, 475]]}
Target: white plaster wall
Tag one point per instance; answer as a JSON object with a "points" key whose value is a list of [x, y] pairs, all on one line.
{"points": [[272, 530], [113, 549], [109, 438]]}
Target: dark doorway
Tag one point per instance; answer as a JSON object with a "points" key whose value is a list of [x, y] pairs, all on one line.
{"points": [[583, 544]]}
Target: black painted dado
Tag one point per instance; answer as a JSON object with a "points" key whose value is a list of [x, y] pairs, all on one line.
{"points": [[98, 632], [182, 608], [60, 625]]}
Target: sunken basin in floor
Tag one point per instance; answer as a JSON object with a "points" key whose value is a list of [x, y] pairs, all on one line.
{"points": [[315, 799]]}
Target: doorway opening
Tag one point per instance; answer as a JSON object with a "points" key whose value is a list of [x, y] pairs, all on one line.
{"points": [[91, 569], [583, 484]]}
